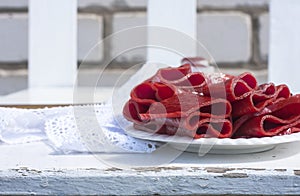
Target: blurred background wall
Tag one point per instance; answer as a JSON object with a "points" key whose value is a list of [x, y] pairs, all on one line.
{"points": [[234, 31]]}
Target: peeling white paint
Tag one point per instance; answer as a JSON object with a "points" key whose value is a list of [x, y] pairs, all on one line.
{"points": [[34, 169], [150, 181]]}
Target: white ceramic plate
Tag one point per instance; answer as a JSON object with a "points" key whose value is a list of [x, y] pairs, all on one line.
{"points": [[215, 145]]}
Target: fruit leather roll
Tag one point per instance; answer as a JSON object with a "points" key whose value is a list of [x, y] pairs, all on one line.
{"points": [[204, 128], [282, 117], [185, 104], [232, 87], [265, 95]]}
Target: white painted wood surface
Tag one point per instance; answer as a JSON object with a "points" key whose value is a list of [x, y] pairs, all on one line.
{"points": [[34, 168], [285, 43], [180, 17], [58, 95], [52, 43]]}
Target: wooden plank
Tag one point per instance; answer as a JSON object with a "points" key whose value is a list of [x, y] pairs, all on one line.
{"points": [[52, 43], [149, 181], [285, 43]]}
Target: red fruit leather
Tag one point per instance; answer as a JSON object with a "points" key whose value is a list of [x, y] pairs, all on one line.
{"points": [[206, 128], [279, 118], [176, 101], [265, 95], [233, 88]]}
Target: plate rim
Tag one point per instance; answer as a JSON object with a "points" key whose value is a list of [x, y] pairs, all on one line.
{"points": [[174, 139]]}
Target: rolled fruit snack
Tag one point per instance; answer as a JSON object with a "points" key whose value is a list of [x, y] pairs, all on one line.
{"points": [[171, 102], [183, 102]]}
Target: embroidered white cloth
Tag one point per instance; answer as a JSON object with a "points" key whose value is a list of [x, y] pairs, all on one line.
{"points": [[87, 128]]}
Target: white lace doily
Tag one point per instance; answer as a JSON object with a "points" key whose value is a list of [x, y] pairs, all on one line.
{"points": [[23, 125], [92, 129], [89, 128]]}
